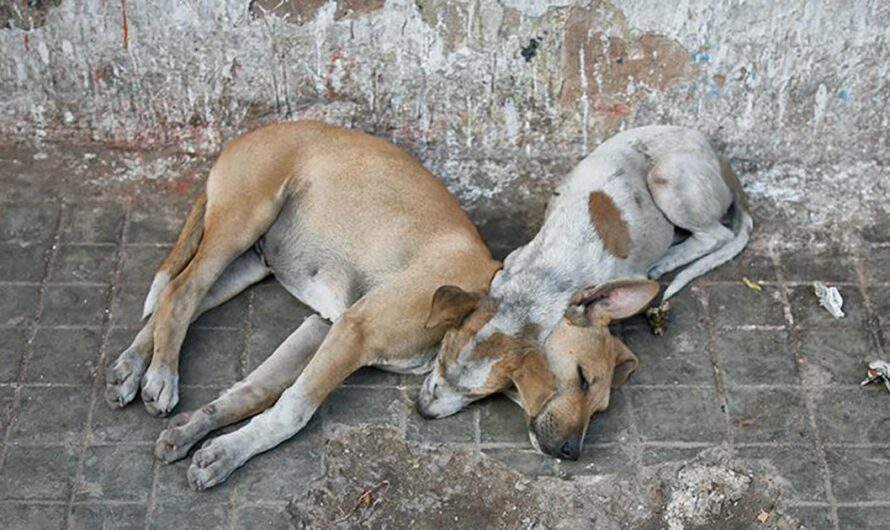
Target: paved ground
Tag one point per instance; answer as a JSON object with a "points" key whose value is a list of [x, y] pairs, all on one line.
{"points": [[769, 374]]}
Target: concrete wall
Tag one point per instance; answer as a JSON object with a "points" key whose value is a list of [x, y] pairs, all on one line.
{"points": [[498, 97]]}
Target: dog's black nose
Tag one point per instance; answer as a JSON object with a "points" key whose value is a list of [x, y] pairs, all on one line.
{"points": [[570, 450]]}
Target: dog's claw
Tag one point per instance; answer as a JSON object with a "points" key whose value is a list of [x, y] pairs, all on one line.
{"points": [[178, 438], [160, 391], [122, 379], [212, 464]]}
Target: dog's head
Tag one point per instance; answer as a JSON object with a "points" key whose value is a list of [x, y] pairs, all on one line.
{"points": [[561, 379]]}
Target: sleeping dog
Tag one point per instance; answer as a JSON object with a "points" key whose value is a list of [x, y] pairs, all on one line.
{"points": [[541, 333], [350, 225]]}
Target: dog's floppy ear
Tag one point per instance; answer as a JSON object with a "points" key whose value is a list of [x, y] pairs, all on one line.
{"points": [[534, 381], [450, 305], [610, 301], [626, 363]]}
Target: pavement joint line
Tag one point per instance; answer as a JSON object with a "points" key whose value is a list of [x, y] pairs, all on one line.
{"points": [[719, 379], [794, 344], [98, 377], [152, 502], [855, 445], [477, 425], [247, 327], [49, 258], [95, 285], [633, 427], [872, 318], [864, 504]]}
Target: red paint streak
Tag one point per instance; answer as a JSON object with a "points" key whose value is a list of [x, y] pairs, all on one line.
{"points": [[337, 58], [27, 38], [125, 29], [614, 111], [182, 187]]}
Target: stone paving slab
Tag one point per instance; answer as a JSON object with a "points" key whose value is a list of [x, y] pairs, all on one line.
{"points": [[769, 374]]}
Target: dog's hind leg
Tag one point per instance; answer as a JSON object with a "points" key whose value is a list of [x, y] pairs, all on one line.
{"points": [[233, 223], [689, 191], [123, 377], [695, 246], [252, 395]]}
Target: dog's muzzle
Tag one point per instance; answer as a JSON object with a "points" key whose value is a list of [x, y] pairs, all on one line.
{"points": [[438, 399]]}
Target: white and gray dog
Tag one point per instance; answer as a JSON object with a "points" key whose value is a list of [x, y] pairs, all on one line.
{"points": [[541, 333]]}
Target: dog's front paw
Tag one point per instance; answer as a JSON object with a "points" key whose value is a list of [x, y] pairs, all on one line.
{"points": [[123, 377], [183, 432], [160, 390], [213, 463]]}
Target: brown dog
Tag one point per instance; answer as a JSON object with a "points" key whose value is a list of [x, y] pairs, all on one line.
{"points": [[354, 228]]}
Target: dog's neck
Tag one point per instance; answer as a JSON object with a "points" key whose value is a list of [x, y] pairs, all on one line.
{"points": [[536, 285]]}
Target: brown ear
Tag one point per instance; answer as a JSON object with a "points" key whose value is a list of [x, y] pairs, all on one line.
{"points": [[611, 301], [626, 363], [534, 381], [450, 305]]}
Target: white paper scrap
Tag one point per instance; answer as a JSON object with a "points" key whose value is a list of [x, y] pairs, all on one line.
{"points": [[830, 298]]}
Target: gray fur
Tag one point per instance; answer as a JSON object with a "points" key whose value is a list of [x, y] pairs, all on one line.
{"points": [[567, 254]]}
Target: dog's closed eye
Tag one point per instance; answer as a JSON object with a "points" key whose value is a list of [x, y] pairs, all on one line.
{"points": [[583, 382]]}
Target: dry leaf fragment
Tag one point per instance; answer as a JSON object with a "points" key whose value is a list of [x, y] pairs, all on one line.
{"points": [[657, 317], [763, 516], [750, 284]]}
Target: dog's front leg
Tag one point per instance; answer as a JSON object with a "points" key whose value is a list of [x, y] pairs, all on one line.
{"points": [[338, 356], [248, 397]]}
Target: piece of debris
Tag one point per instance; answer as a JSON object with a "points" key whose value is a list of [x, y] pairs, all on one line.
{"points": [[830, 298], [657, 317], [750, 284], [763, 516], [365, 501], [878, 371]]}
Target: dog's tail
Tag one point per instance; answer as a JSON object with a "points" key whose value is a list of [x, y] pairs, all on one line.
{"points": [[182, 253], [742, 225]]}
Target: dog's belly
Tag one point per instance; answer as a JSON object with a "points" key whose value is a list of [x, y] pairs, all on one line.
{"points": [[311, 271]]}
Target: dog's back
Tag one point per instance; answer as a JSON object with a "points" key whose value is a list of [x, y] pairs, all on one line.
{"points": [[614, 214], [359, 212]]}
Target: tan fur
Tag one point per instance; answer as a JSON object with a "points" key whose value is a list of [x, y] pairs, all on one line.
{"points": [[611, 228], [534, 381], [371, 203], [189, 237], [450, 305], [732, 180]]}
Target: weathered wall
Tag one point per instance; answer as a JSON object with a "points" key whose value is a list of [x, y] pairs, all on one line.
{"points": [[499, 97]]}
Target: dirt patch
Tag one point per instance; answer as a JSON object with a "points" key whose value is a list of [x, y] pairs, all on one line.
{"points": [[375, 479]]}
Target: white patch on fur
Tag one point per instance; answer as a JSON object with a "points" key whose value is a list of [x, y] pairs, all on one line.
{"points": [[318, 295], [154, 293], [438, 398], [474, 375]]}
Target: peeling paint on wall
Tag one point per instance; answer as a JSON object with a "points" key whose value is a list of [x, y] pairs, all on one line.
{"points": [[499, 97]]}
